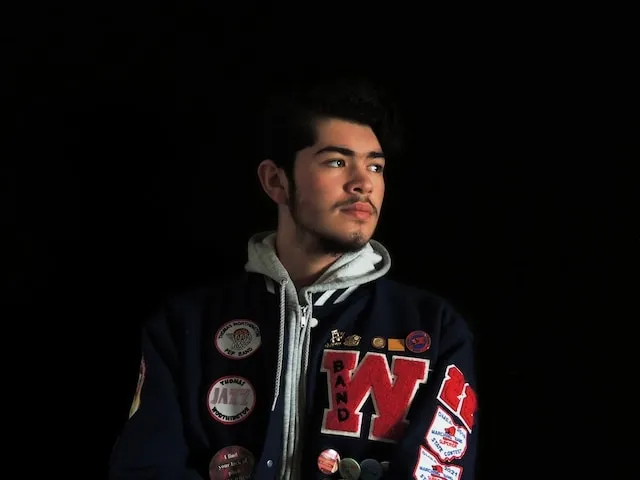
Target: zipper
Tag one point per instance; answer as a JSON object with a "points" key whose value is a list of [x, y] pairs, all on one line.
{"points": [[304, 312]]}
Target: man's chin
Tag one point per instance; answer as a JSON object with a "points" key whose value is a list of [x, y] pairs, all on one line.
{"points": [[340, 244]]}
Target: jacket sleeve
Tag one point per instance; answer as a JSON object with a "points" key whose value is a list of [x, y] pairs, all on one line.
{"points": [[151, 445], [442, 437]]}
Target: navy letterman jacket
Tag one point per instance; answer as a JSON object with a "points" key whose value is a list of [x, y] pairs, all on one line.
{"points": [[356, 374]]}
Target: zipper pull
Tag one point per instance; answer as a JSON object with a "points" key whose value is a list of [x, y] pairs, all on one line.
{"points": [[303, 314]]}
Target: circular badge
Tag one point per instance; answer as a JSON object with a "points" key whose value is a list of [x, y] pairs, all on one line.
{"points": [[378, 342], [349, 469], [418, 341], [231, 399], [238, 339], [328, 461], [370, 469], [231, 463]]}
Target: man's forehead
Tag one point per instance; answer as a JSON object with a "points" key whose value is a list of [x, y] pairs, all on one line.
{"points": [[345, 134]]}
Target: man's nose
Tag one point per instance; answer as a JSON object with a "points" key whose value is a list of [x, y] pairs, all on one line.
{"points": [[360, 182]]}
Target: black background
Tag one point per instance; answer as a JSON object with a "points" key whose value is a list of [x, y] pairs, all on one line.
{"points": [[132, 176]]}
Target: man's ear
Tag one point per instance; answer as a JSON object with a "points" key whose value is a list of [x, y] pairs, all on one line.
{"points": [[273, 181]]}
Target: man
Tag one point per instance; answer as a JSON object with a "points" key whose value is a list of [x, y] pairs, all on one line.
{"points": [[310, 364]]}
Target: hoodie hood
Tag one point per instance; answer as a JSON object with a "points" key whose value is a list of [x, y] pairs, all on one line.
{"points": [[372, 261]]}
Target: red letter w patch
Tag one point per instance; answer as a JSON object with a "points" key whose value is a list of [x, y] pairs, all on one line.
{"points": [[350, 384]]}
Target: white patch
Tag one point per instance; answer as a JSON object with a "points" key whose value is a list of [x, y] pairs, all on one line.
{"points": [[429, 468], [238, 339], [446, 439], [231, 399]]}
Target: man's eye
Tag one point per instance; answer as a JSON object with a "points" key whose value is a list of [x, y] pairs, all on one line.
{"points": [[378, 168], [335, 163]]}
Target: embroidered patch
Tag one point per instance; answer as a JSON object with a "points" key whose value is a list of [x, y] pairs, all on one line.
{"points": [[446, 439], [378, 342], [231, 399], [418, 341], [238, 339], [142, 373], [429, 468], [458, 396], [231, 463], [352, 381]]}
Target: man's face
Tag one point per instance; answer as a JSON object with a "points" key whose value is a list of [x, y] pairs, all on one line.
{"points": [[338, 187]]}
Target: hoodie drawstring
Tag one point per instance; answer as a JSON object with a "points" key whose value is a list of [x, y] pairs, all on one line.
{"points": [[283, 315]]}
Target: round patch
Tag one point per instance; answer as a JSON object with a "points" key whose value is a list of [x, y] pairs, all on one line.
{"points": [[349, 469], [418, 341], [378, 342], [238, 339], [328, 461], [231, 463], [370, 469], [231, 399]]}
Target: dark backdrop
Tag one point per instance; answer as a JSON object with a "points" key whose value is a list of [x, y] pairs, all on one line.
{"points": [[135, 177]]}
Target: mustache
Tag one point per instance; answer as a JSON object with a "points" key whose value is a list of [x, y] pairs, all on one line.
{"points": [[353, 200]]}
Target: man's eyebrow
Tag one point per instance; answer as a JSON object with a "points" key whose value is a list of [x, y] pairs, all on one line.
{"points": [[347, 152]]}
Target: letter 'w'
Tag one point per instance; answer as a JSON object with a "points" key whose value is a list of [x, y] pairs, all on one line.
{"points": [[350, 384]]}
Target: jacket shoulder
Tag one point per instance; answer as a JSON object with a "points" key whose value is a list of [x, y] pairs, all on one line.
{"points": [[187, 305], [203, 294]]}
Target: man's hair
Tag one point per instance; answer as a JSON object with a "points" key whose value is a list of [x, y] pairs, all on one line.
{"points": [[289, 120]]}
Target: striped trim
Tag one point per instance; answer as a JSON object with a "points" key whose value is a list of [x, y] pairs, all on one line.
{"points": [[321, 298], [346, 294], [271, 285], [334, 296]]}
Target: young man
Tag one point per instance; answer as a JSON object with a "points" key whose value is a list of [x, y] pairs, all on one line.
{"points": [[310, 364]]}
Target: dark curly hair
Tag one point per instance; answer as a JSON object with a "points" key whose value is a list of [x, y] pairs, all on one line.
{"points": [[288, 122]]}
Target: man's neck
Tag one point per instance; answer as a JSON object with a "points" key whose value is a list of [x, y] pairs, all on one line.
{"points": [[304, 267]]}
